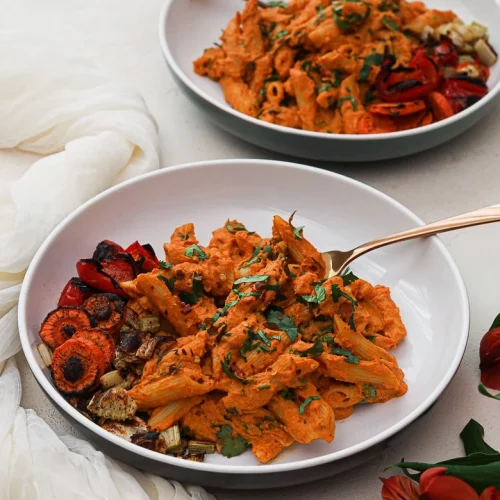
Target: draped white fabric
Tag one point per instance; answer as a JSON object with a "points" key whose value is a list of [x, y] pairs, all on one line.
{"points": [[67, 132]]}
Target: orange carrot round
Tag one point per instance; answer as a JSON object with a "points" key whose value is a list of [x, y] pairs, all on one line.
{"points": [[108, 310], [102, 340], [397, 109], [440, 106], [60, 325], [77, 366], [372, 124]]}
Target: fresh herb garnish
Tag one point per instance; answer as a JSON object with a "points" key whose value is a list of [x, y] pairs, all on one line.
{"points": [[253, 258], [349, 98], [319, 8], [297, 232], [348, 277], [288, 272], [230, 446], [272, 78], [325, 88], [482, 389], [169, 282], [226, 368], [306, 403], [315, 299], [233, 229], [369, 391], [256, 278], [374, 59], [288, 394], [165, 265], [195, 249], [263, 387], [282, 5], [349, 356], [390, 23], [336, 294], [188, 298], [183, 237], [317, 348], [284, 323], [197, 283], [267, 31], [281, 34], [224, 310]]}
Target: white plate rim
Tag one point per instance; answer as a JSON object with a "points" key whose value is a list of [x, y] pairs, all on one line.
{"points": [[58, 399], [490, 96]]}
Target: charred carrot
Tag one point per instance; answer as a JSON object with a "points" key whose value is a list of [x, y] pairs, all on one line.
{"points": [[75, 293], [410, 121], [102, 340], [77, 366], [62, 323], [108, 310], [397, 109], [440, 106], [144, 256], [427, 120], [92, 273], [373, 124], [107, 249]]}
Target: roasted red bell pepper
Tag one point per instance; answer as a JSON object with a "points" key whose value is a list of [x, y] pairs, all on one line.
{"points": [[75, 293], [407, 84], [482, 70], [463, 91], [92, 273], [446, 54], [489, 355], [144, 256], [106, 249]]}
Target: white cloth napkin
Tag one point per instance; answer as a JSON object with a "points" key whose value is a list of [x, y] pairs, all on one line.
{"points": [[67, 132]]}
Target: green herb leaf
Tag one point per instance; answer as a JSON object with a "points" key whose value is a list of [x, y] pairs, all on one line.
{"points": [[325, 88], [183, 237], [482, 389], [349, 356], [226, 368], [263, 387], [267, 31], [234, 229], [348, 277], [272, 78], [288, 272], [306, 66], [374, 59], [318, 347], [315, 299], [230, 446], [197, 283], [319, 8], [297, 232], [349, 98], [256, 278], [343, 25], [224, 310], [336, 294], [306, 403], [193, 250], [282, 5], [284, 323], [390, 23], [169, 282], [253, 258], [496, 323], [188, 298], [288, 394], [281, 34], [369, 391], [472, 437], [165, 265]]}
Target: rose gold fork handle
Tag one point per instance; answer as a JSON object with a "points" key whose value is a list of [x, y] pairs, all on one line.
{"points": [[475, 218]]}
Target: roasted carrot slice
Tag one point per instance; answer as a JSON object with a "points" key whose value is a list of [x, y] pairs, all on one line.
{"points": [[108, 310], [60, 325], [410, 121], [427, 120], [397, 109], [373, 124], [102, 340], [77, 366], [440, 106]]}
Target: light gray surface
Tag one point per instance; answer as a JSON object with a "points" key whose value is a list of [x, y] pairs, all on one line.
{"points": [[121, 35]]}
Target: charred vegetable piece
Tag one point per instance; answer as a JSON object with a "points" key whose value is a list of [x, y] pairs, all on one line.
{"points": [[108, 310], [126, 429], [62, 323], [75, 293], [113, 404], [102, 340], [397, 109], [120, 268], [149, 324], [77, 366], [45, 353], [92, 273], [129, 341], [107, 249], [172, 438], [150, 440], [463, 91], [111, 379], [440, 105], [144, 256]]}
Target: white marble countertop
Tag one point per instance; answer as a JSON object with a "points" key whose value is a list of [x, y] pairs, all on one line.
{"points": [[121, 35]]}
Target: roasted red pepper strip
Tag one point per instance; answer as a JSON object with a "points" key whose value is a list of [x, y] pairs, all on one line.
{"points": [[408, 84], [121, 267], [144, 256], [92, 273], [107, 249], [75, 293], [446, 54], [463, 92]]}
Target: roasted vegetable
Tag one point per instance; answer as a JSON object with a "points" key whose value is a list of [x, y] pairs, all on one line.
{"points": [[149, 324], [102, 340], [172, 438], [61, 324], [111, 379], [151, 440], [107, 249], [144, 256], [121, 267], [45, 353], [126, 429], [129, 341], [108, 310], [75, 293], [92, 273], [77, 366], [113, 404]]}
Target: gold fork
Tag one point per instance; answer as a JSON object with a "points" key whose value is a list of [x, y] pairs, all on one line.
{"points": [[336, 261]]}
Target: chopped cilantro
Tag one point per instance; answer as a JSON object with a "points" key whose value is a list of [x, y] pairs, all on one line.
{"points": [[267, 31], [281, 34], [272, 78], [197, 283], [193, 250], [233, 229], [188, 298], [369, 391], [253, 258], [336, 294], [306, 403], [288, 394], [320, 295], [349, 356], [165, 265], [183, 237], [231, 446], [281, 5], [348, 277], [169, 282], [390, 23], [349, 98], [288, 272], [374, 59], [226, 368], [284, 323], [263, 387], [224, 310], [317, 348], [297, 232], [251, 279]]}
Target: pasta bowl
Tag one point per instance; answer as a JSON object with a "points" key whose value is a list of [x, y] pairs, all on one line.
{"points": [[187, 27], [431, 296]]}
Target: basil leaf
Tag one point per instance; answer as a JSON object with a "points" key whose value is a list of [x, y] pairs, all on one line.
{"points": [[306, 403], [231, 446], [288, 394], [256, 278], [165, 265], [263, 387], [284, 323], [390, 23], [297, 231], [226, 368], [350, 99], [482, 389], [193, 250], [272, 78], [234, 229], [496, 323], [472, 437]]}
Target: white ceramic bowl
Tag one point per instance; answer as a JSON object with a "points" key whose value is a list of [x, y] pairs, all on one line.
{"points": [[338, 213], [187, 27]]}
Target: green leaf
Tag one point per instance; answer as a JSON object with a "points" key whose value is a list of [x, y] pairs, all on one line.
{"points": [[263, 387], [272, 78], [252, 279], [288, 394], [284, 323], [197, 283], [281, 34], [183, 237], [297, 231], [193, 250], [472, 437], [390, 23], [348, 277], [348, 98], [282, 5], [374, 59], [188, 298], [234, 229], [317, 348], [224, 310], [482, 389], [320, 295], [253, 258], [369, 391], [496, 323], [349, 356], [306, 403], [169, 282], [226, 368], [343, 25], [336, 294], [288, 272], [165, 265], [230, 446]]}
